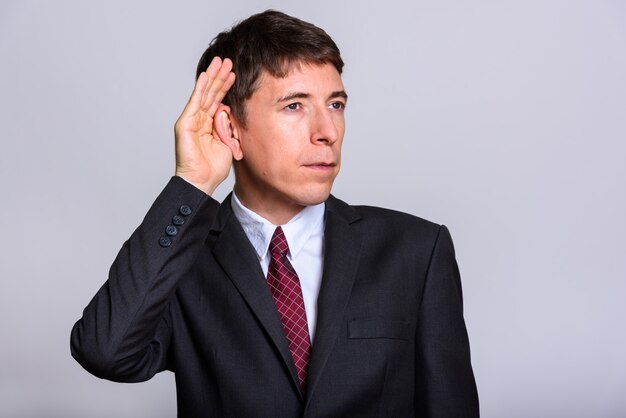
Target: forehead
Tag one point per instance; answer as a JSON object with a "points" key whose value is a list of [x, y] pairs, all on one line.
{"points": [[311, 79]]}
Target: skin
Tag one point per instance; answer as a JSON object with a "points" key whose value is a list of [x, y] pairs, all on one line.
{"points": [[288, 155], [201, 158]]}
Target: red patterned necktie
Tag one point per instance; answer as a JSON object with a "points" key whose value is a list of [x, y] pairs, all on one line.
{"points": [[287, 293]]}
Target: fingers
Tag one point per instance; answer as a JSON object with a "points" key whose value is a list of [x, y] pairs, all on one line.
{"points": [[209, 75], [211, 87], [195, 100], [214, 67], [220, 78]]}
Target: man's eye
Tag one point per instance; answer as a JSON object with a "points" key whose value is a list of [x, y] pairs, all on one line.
{"points": [[293, 106], [338, 105]]}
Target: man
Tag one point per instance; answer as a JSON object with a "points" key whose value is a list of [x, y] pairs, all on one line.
{"points": [[283, 301]]}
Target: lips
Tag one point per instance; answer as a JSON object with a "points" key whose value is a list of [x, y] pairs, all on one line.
{"points": [[320, 161], [321, 168], [320, 164]]}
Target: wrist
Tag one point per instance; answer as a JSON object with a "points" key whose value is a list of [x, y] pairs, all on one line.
{"points": [[208, 187]]}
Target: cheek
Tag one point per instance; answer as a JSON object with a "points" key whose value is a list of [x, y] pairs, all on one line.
{"points": [[276, 161]]}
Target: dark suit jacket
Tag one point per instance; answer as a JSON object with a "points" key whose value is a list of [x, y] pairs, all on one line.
{"points": [[390, 339]]}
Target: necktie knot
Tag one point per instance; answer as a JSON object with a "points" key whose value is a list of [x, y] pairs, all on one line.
{"points": [[278, 244]]}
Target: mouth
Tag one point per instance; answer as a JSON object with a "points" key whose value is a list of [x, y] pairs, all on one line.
{"points": [[321, 165]]}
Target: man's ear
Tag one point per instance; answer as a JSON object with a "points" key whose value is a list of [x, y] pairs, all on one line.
{"points": [[227, 131]]}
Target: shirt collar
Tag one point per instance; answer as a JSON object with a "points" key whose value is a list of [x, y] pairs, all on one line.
{"points": [[297, 231]]}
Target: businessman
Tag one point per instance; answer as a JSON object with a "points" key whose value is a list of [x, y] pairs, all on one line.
{"points": [[281, 301]]}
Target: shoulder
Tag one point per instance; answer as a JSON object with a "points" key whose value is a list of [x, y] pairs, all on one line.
{"points": [[385, 222]]}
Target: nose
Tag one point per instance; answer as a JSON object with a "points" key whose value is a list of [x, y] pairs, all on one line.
{"points": [[324, 127]]}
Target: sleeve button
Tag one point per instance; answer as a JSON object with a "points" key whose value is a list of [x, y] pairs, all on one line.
{"points": [[185, 210], [171, 230], [165, 242], [178, 220]]}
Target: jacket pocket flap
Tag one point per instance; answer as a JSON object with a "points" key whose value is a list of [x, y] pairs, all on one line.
{"points": [[378, 328]]}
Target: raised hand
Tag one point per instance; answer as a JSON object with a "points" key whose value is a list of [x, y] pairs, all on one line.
{"points": [[201, 157]]}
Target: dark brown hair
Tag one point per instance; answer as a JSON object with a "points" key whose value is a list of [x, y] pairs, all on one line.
{"points": [[270, 41]]}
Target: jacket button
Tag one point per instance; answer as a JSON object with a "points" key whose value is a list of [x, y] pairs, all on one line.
{"points": [[165, 242], [178, 220], [171, 230], [185, 210]]}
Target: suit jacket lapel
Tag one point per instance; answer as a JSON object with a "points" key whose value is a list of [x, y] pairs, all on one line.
{"points": [[237, 257], [342, 248]]}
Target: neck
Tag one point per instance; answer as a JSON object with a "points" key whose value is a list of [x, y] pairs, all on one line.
{"points": [[277, 212]]}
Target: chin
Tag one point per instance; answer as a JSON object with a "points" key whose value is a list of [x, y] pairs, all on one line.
{"points": [[313, 196]]}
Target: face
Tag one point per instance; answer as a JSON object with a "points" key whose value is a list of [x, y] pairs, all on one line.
{"points": [[291, 145]]}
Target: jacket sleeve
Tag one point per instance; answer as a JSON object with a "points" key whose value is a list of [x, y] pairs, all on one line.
{"points": [[124, 332], [446, 386]]}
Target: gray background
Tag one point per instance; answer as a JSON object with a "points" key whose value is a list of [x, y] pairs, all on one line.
{"points": [[504, 120]]}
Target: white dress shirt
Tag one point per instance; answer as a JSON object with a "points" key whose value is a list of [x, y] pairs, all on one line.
{"points": [[305, 237]]}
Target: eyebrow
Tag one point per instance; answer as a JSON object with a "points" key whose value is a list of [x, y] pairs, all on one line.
{"points": [[301, 95], [341, 93]]}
